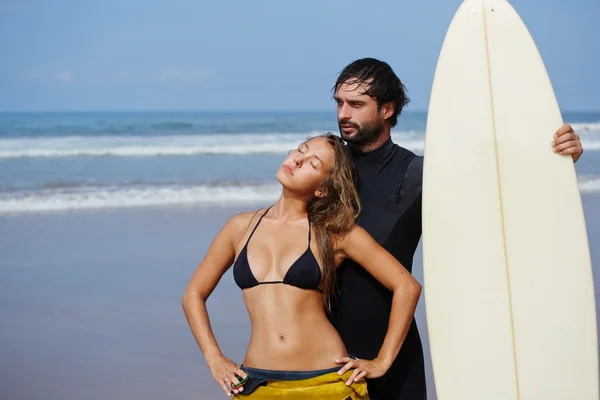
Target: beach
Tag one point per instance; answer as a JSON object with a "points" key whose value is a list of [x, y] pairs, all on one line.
{"points": [[131, 132], [90, 303], [105, 216]]}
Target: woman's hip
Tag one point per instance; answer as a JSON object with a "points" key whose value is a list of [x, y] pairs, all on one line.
{"points": [[263, 384]]}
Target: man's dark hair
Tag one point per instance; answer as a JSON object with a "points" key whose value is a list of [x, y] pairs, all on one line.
{"points": [[381, 82]]}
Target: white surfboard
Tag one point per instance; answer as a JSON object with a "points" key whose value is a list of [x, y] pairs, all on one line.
{"points": [[507, 272]]}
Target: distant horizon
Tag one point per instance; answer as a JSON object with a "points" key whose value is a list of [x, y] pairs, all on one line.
{"points": [[217, 111]]}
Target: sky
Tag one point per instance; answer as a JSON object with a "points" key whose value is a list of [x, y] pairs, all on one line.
{"points": [[67, 55]]}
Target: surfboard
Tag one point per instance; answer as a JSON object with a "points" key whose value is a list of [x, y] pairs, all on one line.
{"points": [[508, 281]]}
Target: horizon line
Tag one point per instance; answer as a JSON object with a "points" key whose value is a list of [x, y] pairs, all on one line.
{"points": [[190, 110]]}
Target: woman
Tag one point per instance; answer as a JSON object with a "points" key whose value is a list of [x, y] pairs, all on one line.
{"points": [[284, 260]]}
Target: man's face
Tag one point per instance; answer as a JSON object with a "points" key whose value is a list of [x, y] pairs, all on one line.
{"points": [[359, 120]]}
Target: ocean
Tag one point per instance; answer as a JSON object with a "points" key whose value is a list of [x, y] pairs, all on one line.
{"points": [[105, 216], [93, 160]]}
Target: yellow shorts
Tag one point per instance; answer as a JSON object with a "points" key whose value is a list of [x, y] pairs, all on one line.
{"points": [[323, 384]]}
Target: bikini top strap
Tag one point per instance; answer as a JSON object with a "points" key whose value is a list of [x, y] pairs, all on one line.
{"points": [[258, 223]]}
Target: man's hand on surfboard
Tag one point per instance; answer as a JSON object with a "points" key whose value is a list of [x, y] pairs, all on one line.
{"points": [[566, 141]]}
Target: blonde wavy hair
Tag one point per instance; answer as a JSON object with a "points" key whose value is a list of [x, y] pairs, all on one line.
{"points": [[336, 211]]}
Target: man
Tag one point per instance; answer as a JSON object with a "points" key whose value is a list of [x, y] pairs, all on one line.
{"points": [[370, 97]]}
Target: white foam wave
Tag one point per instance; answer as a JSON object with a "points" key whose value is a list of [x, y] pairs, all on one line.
{"points": [[81, 198], [147, 146], [590, 135], [588, 184], [584, 127], [590, 145], [120, 197], [150, 146]]}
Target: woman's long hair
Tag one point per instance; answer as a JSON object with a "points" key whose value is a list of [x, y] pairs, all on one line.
{"points": [[335, 212]]}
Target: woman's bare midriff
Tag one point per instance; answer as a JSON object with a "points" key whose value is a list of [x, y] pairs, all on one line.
{"points": [[290, 330]]}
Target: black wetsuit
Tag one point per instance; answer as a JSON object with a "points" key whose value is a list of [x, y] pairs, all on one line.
{"points": [[389, 185]]}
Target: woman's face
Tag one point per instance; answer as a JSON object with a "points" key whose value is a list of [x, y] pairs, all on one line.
{"points": [[305, 169]]}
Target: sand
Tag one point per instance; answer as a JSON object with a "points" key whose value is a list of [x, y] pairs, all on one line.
{"points": [[90, 303]]}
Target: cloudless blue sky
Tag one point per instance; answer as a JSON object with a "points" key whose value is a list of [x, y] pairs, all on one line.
{"points": [[254, 55]]}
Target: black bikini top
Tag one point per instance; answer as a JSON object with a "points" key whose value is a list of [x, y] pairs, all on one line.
{"points": [[304, 272]]}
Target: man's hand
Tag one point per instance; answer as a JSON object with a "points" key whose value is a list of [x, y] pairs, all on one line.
{"points": [[566, 141], [362, 368]]}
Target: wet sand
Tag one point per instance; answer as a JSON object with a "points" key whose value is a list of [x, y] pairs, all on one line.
{"points": [[90, 303]]}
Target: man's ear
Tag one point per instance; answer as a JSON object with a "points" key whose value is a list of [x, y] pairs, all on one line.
{"points": [[387, 109]]}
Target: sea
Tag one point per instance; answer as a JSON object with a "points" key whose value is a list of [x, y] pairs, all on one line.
{"points": [[68, 161]]}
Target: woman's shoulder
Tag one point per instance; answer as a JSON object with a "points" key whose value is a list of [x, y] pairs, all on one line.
{"points": [[246, 217], [345, 237], [239, 223]]}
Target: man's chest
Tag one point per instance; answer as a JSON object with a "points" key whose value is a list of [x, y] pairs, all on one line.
{"points": [[380, 205]]}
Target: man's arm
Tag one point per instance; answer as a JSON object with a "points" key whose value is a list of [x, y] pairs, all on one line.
{"points": [[412, 183]]}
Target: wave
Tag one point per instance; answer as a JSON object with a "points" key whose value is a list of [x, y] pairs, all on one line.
{"points": [[584, 127], [212, 194], [174, 126], [79, 198], [589, 183], [203, 144], [187, 145]]}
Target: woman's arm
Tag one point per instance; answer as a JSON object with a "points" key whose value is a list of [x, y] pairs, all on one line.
{"points": [[217, 260], [359, 246]]}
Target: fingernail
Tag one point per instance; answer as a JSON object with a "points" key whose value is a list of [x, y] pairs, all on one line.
{"points": [[552, 143], [555, 136]]}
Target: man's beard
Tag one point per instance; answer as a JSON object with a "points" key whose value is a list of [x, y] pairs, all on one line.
{"points": [[364, 135]]}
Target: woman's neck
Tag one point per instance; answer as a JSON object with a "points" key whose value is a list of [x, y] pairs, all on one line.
{"points": [[289, 207]]}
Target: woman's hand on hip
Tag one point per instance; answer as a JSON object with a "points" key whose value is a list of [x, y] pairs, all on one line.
{"points": [[227, 374]]}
